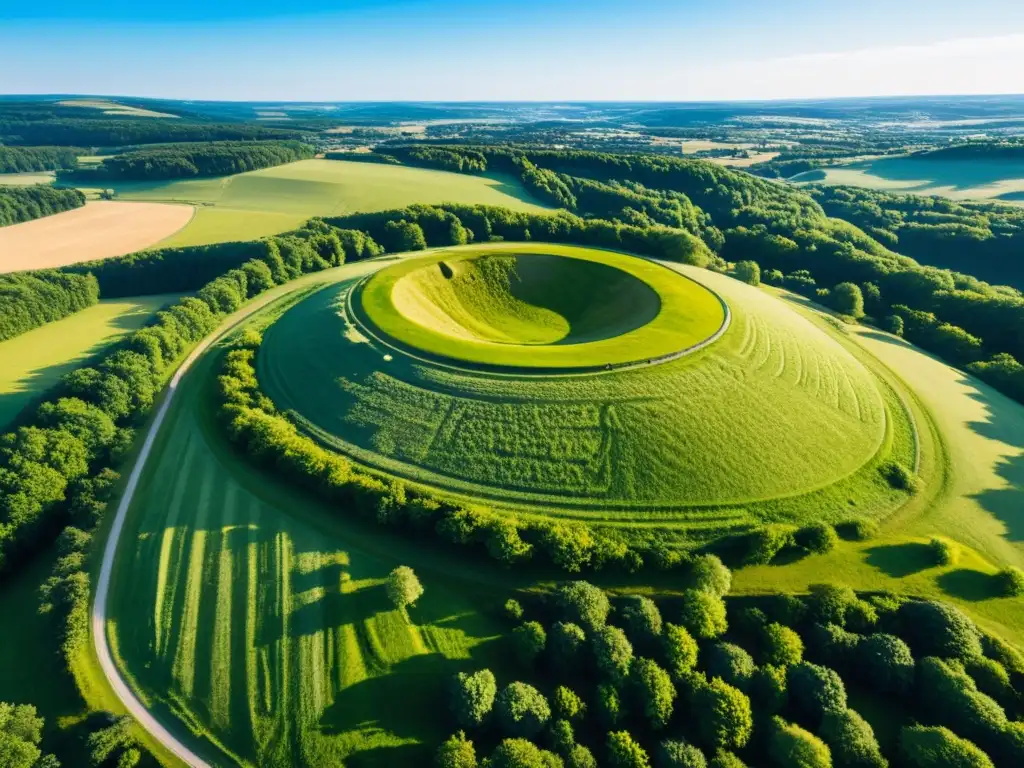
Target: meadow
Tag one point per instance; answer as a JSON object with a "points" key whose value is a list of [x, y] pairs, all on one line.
{"points": [[35, 361], [273, 200]]}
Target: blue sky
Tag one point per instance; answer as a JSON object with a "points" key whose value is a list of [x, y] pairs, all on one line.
{"points": [[498, 50]]}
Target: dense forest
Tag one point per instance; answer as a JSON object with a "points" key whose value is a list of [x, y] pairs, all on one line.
{"points": [[19, 204], [976, 150], [178, 161], [31, 299], [984, 238], [29, 159]]}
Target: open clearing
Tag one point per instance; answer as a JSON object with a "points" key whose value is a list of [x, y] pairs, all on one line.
{"points": [[34, 361], [97, 230], [251, 205], [957, 179], [26, 179], [113, 108]]}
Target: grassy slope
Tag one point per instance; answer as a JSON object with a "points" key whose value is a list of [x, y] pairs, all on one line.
{"points": [[33, 362], [773, 407], [272, 200], [974, 179]]}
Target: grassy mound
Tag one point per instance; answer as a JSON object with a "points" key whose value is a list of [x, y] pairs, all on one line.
{"points": [[776, 420], [539, 307]]}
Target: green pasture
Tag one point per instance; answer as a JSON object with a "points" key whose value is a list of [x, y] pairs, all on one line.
{"points": [[26, 179], [772, 421], [957, 179], [33, 362], [539, 306], [250, 205]]}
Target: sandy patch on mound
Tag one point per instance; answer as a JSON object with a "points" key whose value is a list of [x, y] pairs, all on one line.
{"points": [[97, 231]]}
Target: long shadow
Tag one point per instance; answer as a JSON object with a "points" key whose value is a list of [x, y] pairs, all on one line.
{"points": [[899, 560], [967, 584], [959, 175]]}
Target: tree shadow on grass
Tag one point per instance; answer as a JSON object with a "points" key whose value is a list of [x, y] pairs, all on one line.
{"points": [[967, 584], [899, 560]]}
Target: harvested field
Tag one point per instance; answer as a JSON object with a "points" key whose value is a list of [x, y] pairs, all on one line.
{"points": [[96, 231]]}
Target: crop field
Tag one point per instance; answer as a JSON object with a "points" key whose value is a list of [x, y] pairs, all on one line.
{"points": [[97, 230], [34, 361], [960, 180], [251, 205], [113, 108], [763, 424]]}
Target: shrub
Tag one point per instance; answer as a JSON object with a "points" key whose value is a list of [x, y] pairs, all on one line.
{"points": [[520, 753], [504, 543], [456, 752], [816, 538], [522, 710], [829, 603], [861, 616], [642, 618], [513, 610], [624, 752], [613, 652], [857, 530], [570, 546], [580, 757], [731, 663], [762, 545], [703, 614], [887, 663], [749, 272], [894, 325], [847, 299], [991, 678], [790, 746], [900, 477], [529, 640], [679, 754], [566, 704], [942, 552], [609, 704], [932, 628], [680, 650], [654, 690], [815, 690], [566, 641], [852, 740], [924, 747], [768, 689], [1010, 582], [472, 697], [781, 646], [726, 720], [952, 696], [584, 604], [707, 572], [403, 587]]}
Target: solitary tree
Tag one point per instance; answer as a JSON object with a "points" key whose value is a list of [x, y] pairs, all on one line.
{"points": [[403, 587], [848, 300], [748, 272]]}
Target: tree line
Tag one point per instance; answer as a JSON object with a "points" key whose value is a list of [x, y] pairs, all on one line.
{"points": [[29, 159], [187, 160], [18, 204], [31, 299]]}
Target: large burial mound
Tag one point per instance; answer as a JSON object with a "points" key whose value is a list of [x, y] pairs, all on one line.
{"points": [[535, 311], [423, 373]]}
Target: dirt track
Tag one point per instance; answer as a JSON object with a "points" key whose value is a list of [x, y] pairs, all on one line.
{"points": [[96, 231]]}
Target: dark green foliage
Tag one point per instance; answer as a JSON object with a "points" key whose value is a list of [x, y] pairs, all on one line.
{"points": [[29, 159], [472, 697], [725, 759], [456, 752], [613, 653], [991, 678], [887, 663], [522, 710], [1010, 582], [790, 746], [894, 325], [830, 603], [513, 609], [19, 204], [529, 640], [762, 545], [115, 744], [932, 628], [851, 740], [642, 618], [580, 757], [624, 752], [730, 663], [400, 236], [21, 732], [942, 552], [900, 477], [31, 299], [680, 650], [847, 299], [654, 691], [707, 572], [832, 645], [567, 705], [566, 641], [815, 690], [703, 614], [679, 754], [561, 736], [781, 646], [520, 753], [570, 546], [583, 604], [924, 747], [748, 272], [726, 720], [610, 707], [768, 689], [816, 538]]}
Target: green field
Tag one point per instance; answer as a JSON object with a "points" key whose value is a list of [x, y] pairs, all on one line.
{"points": [[775, 420], [539, 307], [34, 361], [251, 205], [957, 179]]}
